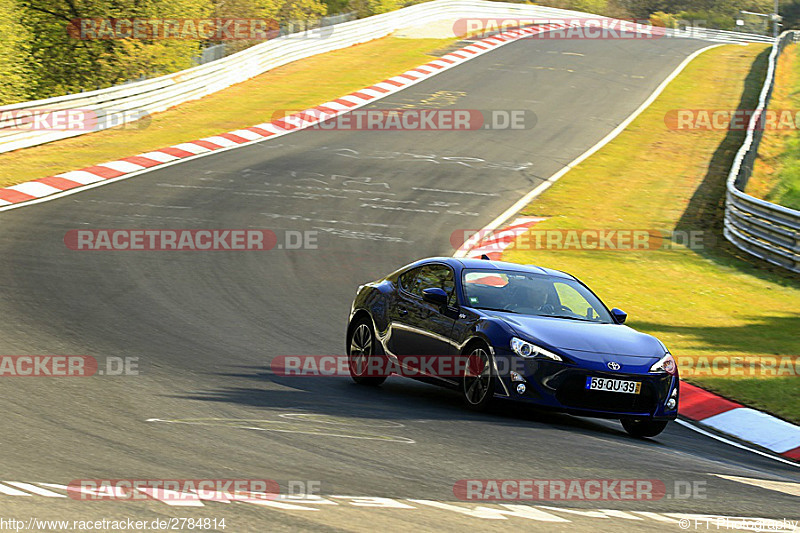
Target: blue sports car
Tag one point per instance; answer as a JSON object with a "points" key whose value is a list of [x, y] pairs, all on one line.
{"points": [[495, 329]]}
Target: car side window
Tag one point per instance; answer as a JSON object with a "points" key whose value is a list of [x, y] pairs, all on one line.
{"points": [[439, 276], [408, 279]]}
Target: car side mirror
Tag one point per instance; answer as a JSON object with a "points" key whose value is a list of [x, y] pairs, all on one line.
{"points": [[619, 315], [435, 295]]}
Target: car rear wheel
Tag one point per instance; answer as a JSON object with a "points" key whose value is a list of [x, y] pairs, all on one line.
{"points": [[643, 427], [362, 347], [477, 385]]}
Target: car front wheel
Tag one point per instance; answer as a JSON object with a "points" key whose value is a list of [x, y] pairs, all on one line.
{"points": [[477, 385], [362, 347]]}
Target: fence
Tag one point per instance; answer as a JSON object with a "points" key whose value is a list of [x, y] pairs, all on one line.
{"points": [[760, 228], [118, 104]]}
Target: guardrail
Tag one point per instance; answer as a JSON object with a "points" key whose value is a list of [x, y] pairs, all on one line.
{"points": [[768, 231], [114, 105]]}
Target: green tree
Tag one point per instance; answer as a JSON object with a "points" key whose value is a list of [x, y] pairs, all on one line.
{"points": [[729, 8], [16, 63], [366, 8], [590, 6], [290, 10], [67, 64]]}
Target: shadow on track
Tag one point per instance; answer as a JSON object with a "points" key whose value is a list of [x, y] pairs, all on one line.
{"points": [[398, 399]]}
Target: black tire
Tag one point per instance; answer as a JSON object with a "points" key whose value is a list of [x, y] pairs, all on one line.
{"points": [[641, 428], [361, 347], [477, 383]]}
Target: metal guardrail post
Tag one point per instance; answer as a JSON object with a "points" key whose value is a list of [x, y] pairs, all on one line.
{"points": [[763, 229]]}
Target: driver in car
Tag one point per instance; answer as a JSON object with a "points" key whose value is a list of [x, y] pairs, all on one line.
{"points": [[529, 295]]}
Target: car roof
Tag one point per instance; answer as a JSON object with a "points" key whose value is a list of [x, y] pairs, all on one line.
{"points": [[485, 264]]}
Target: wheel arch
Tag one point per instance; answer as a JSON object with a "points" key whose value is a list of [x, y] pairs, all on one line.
{"points": [[480, 338], [474, 340], [358, 315]]}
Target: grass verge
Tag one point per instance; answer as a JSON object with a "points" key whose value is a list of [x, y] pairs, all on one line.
{"points": [[776, 173], [702, 303], [296, 86]]}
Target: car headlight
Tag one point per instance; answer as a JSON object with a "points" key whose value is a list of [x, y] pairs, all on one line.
{"points": [[665, 364], [528, 350]]}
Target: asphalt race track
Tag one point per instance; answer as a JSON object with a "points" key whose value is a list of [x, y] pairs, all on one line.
{"points": [[205, 325]]}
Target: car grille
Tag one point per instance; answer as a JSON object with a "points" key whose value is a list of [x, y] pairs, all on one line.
{"points": [[572, 393]]}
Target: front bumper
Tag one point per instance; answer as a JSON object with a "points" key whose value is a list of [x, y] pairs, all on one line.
{"points": [[561, 386]]}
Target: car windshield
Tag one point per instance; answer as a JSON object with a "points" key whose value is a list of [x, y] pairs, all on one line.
{"points": [[532, 294]]}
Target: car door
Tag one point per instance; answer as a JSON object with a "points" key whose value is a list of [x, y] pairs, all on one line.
{"points": [[402, 340], [421, 328]]}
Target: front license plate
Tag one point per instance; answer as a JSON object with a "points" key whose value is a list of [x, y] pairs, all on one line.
{"points": [[613, 385]]}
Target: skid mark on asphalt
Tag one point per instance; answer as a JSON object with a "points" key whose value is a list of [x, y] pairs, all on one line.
{"points": [[362, 235], [135, 204], [448, 512], [306, 424], [305, 218], [437, 159]]}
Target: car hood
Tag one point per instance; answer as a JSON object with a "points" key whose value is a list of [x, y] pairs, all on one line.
{"points": [[613, 339]]}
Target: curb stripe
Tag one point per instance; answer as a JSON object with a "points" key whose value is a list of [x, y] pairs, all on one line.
{"points": [[59, 183], [104, 172], [246, 135], [176, 152], [260, 131], [495, 242], [141, 161], [159, 156], [327, 110], [233, 137], [342, 101], [696, 404], [220, 141], [34, 188], [207, 144], [80, 176], [793, 454], [13, 196], [379, 89], [281, 123], [122, 168], [192, 147]]}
